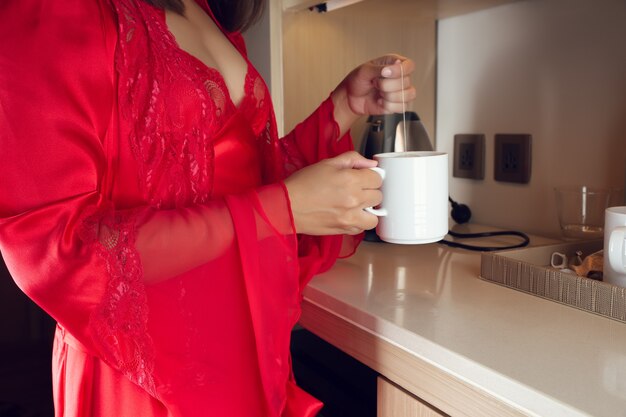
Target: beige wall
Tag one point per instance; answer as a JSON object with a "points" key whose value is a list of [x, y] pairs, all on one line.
{"points": [[320, 49], [553, 68]]}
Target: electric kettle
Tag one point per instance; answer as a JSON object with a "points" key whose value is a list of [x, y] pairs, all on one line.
{"points": [[386, 133]]}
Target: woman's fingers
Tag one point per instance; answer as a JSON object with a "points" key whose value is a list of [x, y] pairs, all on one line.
{"points": [[400, 66], [371, 198], [369, 179], [351, 159], [329, 197], [365, 221], [395, 88], [394, 84]]}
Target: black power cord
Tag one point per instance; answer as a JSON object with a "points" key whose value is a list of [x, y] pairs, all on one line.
{"points": [[525, 240], [461, 214]]}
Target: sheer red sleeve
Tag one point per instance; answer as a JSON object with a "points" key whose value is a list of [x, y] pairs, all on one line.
{"points": [[313, 140]]}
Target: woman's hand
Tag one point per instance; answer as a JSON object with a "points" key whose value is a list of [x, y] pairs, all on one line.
{"points": [[376, 87], [327, 198]]}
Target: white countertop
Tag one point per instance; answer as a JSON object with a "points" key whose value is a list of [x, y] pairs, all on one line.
{"points": [[539, 356]]}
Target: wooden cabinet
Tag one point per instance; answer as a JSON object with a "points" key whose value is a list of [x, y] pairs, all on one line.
{"points": [[311, 52], [316, 50], [438, 389], [393, 401], [444, 8]]}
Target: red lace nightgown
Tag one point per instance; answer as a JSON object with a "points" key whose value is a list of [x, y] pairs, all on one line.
{"points": [[123, 156]]}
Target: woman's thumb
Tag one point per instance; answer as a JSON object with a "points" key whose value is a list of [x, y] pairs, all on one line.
{"points": [[352, 159]]}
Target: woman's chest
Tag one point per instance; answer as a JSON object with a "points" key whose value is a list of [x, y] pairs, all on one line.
{"points": [[197, 34], [177, 140]]}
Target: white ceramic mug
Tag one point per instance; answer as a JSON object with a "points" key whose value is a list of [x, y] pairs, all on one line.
{"points": [[615, 246], [415, 197]]}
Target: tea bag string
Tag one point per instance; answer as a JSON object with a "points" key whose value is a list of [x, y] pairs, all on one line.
{"points": [[403, 106]]}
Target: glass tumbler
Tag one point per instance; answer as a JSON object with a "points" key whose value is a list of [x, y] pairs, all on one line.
{"points": [[581, 211]]}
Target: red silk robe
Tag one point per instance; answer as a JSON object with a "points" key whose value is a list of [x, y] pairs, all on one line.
{"points": [[122, 155]]}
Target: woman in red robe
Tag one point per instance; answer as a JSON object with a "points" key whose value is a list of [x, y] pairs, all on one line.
{"points": [[147, 204]]}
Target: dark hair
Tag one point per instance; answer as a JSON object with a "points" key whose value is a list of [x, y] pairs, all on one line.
{"points": [[233, 15]]}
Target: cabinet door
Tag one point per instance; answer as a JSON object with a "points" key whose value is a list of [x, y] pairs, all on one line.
{"points": [[393, 401]]}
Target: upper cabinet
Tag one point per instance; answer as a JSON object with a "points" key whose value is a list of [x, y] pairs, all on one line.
{"points": [[443, 8], [311, 52]]}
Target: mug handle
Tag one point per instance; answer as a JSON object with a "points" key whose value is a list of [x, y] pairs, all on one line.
{"points": [[617, 250], [558, 260], [380, 212]]}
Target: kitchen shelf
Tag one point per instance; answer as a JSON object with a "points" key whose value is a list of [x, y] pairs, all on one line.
{"points": [[443, 8]]}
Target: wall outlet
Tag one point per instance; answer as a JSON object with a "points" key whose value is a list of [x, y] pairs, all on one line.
{"points": [[512, 158], [469, 156]]}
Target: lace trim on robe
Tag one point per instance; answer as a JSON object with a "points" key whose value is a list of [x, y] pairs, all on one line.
{"points": [[119, 323], [157, 86], [159, 83]]}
